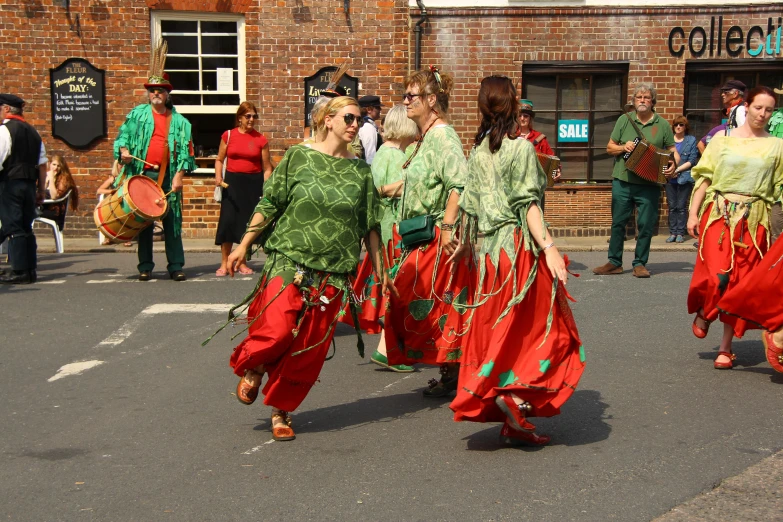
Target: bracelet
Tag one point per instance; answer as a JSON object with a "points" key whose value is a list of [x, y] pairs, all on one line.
{"points": [[550, 245], [446, 226]]}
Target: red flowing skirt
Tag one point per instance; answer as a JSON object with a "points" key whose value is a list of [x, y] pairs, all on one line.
{"points": [[372, 305], [517, 355], [426, 323], [274, 340], [758, 298], [711, 277]]}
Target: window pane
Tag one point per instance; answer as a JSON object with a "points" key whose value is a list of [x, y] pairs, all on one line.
{"points": [[702, 122], [178, 26], [574, 164], [545, 124], [184, 81], [603, 125], [182, 44], [185, 99], [218, 27], [575, 94], [602, 166], [207, 129], [221, 99], [608, 92], [703, 91], [210, 64], [541, 91], [219, 45], [180, 62], [209, 81]]}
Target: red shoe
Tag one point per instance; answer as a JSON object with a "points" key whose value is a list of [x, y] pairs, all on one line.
{"points": [[698, 331], [513, 411], [282, 433], [513, 437], [773, 351], [246, 392], [725, 365]]}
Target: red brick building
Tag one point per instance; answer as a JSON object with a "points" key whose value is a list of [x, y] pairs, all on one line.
{"points": [[575, 59]]}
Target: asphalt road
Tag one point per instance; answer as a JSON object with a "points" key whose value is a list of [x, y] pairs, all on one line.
{"points": [[154, 431]]}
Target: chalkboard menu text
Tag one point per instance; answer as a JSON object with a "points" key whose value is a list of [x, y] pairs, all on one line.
{"points": [[78, 102], [315, 83]]}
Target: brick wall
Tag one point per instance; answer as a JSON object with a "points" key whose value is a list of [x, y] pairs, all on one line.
{"points": [[285, 42]]}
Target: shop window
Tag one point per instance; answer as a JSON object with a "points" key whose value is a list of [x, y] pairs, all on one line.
{"points": [[703, 80], [206, 66], [577, 107]]}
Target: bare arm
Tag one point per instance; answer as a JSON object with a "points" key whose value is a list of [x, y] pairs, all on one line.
{"points": [[615, 149], [544, 241], [105, 187], [221, 157], [693, 212], [392, 190], [447, 241], [266, 160]]}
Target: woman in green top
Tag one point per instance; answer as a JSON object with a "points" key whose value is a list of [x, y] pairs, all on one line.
{"points": [[399, 133], [523, 357], [323, 202], [424, 324]]}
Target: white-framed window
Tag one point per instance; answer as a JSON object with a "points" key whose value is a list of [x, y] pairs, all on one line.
{"points": [[206, 66]]}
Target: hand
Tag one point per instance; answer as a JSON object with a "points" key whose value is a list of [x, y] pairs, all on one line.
{"points": [[235, 259], [693, 226], [629, 146], [556, 177], [177, 183], [447, 243], [125, 156], [218, 180], [462, 251], [669, 172], [556, 264], [388, 285]]}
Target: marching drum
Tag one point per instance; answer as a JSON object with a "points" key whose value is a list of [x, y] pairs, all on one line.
{"points": [[134, 206]]}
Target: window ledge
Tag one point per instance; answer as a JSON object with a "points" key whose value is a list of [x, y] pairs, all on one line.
{"points": [[583, 186]]}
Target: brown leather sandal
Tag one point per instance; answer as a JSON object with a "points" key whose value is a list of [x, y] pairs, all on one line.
{"points": [[282, 433], [246, 392]]}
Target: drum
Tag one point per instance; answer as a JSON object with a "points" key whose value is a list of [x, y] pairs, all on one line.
{"points": [[134, 206]]}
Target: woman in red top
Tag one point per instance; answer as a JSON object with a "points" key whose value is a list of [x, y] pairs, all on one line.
{"points": [[526, 115], [245, 153]]}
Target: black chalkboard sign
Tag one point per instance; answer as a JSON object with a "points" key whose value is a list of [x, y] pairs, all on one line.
{"points": [[78, 102], [313, 85]]}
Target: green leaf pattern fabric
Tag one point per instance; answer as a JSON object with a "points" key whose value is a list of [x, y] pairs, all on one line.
{"points": [[387, 169]]}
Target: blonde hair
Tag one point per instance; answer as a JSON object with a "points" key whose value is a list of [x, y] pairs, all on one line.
{"points": [[332, 108], [427, 82], [397, 125]]}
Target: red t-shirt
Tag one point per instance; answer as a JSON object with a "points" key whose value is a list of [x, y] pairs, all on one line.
{"points": [[158, 141], [243, 154], [542, 146]]}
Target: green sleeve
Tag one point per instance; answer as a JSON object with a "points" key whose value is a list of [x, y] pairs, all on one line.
{"points": [[373, 211], [619, 128], [127, 129], [276, 188], [668, 135], [525, 181], [469, 200], [706, 166], [452, 167], [184, 144]]}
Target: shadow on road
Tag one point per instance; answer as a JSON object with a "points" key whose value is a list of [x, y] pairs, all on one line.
{"points": [[675, 267], [581, 422], [351, 415], [749, 353]]}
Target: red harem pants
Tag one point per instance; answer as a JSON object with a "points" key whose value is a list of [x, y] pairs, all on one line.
{"points": [[423, 325], [372, 307], [758, 298], [271, 341], [517, 356], [711, 280]]}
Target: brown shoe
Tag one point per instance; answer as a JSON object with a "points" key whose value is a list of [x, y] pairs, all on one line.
{"points": [[641, 272], [285, 432], [608, 269], [246, 393]]}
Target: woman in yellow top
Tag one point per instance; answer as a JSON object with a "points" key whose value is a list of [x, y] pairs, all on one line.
{"points": [[737, 181]]}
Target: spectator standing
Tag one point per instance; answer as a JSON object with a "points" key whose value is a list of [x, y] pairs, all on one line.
{"points": [[680, 186], [369, 135], [23, 164], [244, 157]]}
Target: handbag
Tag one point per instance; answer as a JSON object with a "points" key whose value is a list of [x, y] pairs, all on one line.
{"points": [[218, 195], [416, 230]]}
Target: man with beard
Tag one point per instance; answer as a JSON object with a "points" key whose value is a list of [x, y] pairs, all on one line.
{"points": [[155, 141], [628, 189]]}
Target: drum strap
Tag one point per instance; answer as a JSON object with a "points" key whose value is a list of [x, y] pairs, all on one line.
{"points": [[165, 163]]}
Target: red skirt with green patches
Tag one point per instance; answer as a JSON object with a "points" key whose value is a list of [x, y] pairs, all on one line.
{"points": [[371, 300], [517, 355], [427, 322]]}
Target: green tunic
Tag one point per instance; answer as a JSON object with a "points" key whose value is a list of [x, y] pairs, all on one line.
{"points": [[387, 169], [435, 171], [323, 207]]}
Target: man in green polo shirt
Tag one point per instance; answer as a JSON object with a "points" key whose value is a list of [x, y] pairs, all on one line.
{"points": [[628, 189]]}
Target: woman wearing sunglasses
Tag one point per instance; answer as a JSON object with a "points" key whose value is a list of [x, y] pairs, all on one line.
{"points": [[243, 163], [321, 202], [423, 324], [523, 357], [680, 185]]}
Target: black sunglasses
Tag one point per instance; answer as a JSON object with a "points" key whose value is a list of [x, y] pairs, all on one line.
{"points": [[408, 96], [350, 118], [157, 90], [250, 116]]}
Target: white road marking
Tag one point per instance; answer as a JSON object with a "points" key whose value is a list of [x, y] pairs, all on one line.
{"points": [[74, 369], [131, 325], [104, 281], [52, 282]]}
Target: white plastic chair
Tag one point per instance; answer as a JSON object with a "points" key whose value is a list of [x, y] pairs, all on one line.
{"points": [[58, 233]]}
